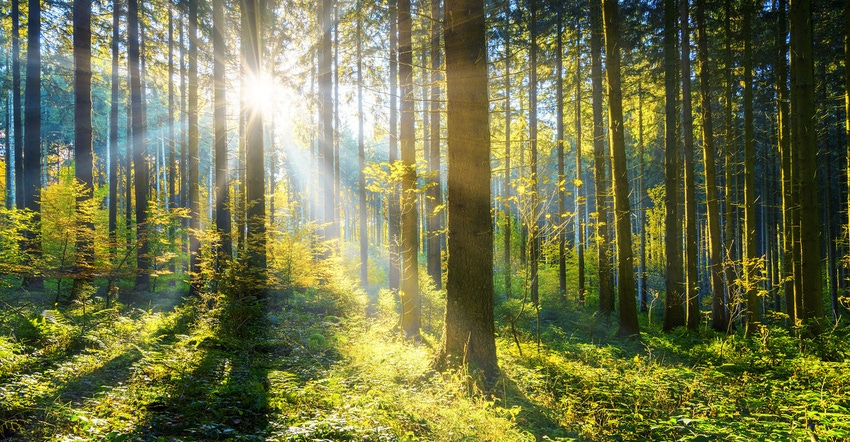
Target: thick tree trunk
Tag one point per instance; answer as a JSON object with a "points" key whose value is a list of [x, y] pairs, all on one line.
{"points": [[469, 336], [603, 242], [410, 304], [674, 301], [619, 173]]}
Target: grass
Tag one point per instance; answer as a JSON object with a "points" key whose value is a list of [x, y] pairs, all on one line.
{"points": [[312, 366]]}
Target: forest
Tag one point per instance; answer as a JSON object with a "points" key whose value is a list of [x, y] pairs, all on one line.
{"points": [[425, 220]]}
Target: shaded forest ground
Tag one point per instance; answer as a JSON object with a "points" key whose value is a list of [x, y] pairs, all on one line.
{"points": [[311, 365]]}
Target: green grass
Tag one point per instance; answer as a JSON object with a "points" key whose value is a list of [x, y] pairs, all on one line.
{"points": [[311, 365]]}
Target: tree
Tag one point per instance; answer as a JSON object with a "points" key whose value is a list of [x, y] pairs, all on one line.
{"points": [[255, 170], [83, 158], [619, 172], [691, 283], [603, 242], [506, 205], [32, 136], [803, 123], [533, 222], [113, 125], [193, 160], [326, 130], [579, 197], [435, 192], [361, 156], [140, 148], [17, 125], [719, 316], [750, 267], [469, 335], [562, 179], [784, 141], [222, 181], [674, 313], [393, 209], [410, 316]]}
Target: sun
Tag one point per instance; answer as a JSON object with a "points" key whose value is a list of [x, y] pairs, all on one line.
{"points": [[260, 92]]}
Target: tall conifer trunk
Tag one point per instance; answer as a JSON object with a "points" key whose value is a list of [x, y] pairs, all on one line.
{"points": [[435, 197], [691, 276], [222, 181], [83, 158]]}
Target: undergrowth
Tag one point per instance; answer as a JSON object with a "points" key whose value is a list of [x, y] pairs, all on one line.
{"points": [[326, 362]]}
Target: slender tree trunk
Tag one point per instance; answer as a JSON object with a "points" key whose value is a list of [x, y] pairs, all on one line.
{"points": [[786, 158], [533, 217], [803, 122], [718, 306], [83, 158], [469, 336], [691, 275], [17, 119], [361, 157], [435, 197], [394, 211], [562, 179], [194, 160], [113, 127], [750, 253], [255, 173], [603, 242], [32, 137], [579, 183], [222, 180], [729, 191], [643, 292], [410, 305], [619, 173], [506, 202], [674, 312], [326, 132]]}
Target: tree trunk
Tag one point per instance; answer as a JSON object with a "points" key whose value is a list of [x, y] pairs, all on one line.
{"points": [[83, 158], [533, 220], [32, 136], [435, 197], [361, 158], [784, 141], [222, 181], [194, 160], [113, 127], [718, 306], [750, 253], [728, 152], [17, 120], [803, 122], [562, 179], [410, 318], [255, 210], [579, 183], [619, 173], [469, 337], [603, 242], [674, 310], [326, 132], [394, 211], [691, 279]]}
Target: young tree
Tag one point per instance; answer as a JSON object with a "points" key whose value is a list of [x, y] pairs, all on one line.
{"points": [[469, 334], [410, 319], [619, 173], [603, 242], [83, 157]]}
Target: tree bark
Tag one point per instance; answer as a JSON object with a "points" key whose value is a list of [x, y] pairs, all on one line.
{"points": [[326, 130], [194, 160], [222, 181], [562, 179], [83, 158], [750, 253], [619, 173], [435, 192], [603, 242], [469, 336], [361, 157], [393, 209], [533, 220], [691, 275], [674, 310], [17, 119]]}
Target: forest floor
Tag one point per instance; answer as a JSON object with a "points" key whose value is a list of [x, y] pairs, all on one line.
{"points": [[310, 369]]}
